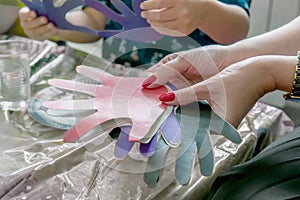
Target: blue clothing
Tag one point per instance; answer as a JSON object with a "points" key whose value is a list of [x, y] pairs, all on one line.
{"points": [[135, 53]]}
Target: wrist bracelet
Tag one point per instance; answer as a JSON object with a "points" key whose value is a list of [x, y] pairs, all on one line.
{"points": [[295, 94]]}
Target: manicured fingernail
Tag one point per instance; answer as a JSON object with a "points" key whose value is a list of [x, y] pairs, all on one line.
{"points": [[167, 97], [148, 81]]}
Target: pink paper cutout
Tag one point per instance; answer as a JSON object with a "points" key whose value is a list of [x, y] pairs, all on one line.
{"points": [[118, 97]]}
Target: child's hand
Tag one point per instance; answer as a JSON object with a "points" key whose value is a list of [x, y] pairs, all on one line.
{"points": [[174, 17], [181, 17], [36, 27]]}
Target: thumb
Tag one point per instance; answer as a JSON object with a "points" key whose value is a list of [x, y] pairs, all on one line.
{"points": [[25, 13]]}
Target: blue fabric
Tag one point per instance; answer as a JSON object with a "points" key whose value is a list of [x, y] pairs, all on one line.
{"points": [[136, 53]]}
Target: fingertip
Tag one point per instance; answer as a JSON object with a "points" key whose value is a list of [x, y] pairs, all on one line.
{"points": [[24, 10], [43, 20], [51, 26], [51, 81], [24, 13], [167, 97], [32, 14], [143, 5], [80, 68], [149, 81]]}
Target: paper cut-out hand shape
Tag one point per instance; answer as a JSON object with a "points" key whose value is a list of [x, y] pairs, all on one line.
{"points": [[170, 133], [209, 123], [196, 126], [117, 98], [134, 26], [57, 15]]}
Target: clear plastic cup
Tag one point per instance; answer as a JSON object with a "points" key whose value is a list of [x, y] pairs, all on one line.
{"points": [[14, 75]]}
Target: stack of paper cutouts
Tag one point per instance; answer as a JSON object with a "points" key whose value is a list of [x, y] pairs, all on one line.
{"points": [[154, 127], [119, 98], [134, 27]]}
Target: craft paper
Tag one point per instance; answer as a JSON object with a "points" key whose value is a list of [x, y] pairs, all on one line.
{"points": [[134, 27], [118, 97]]}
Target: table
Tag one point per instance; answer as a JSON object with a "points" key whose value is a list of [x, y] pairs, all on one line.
{"points": [[35, 164]]}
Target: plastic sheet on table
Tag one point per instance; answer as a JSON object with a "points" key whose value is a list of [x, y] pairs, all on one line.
{"points": [[35, 164]]}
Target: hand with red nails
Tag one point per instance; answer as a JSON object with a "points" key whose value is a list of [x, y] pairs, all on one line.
{"points": [[189, 67], [249, 71], [232, 92]]}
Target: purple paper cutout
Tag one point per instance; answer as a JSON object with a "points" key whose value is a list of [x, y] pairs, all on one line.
{"points": [[171, 125], [171, 86], [57, 15], [171, 130], [123, 145], [134, 26], [148, 149]]}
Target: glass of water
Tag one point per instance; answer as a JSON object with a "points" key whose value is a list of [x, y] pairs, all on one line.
{"points": [[14, 75]]}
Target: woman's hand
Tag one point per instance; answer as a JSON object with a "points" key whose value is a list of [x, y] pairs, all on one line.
{"points": [[189, 67], [232, 92]]}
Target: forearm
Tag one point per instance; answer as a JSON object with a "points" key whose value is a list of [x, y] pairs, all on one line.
{"points": [[247, 81], [282, 41], [277, 73], [224, 23]]}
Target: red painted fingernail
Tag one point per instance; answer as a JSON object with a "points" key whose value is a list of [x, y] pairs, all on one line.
{"points": [[163, 105], [148, 81], [167, 97]]}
